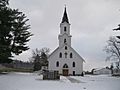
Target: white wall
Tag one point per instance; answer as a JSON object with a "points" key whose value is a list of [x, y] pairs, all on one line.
{"points": [[102, 71], [61, 40], [55, 57]]}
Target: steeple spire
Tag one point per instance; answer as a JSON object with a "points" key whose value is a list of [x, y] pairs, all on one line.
{"points": [[65, 17]]}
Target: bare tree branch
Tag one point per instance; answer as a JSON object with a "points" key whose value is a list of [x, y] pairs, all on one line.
{"points": [[113, 49]]}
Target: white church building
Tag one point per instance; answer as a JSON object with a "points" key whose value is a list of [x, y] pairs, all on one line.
{"points": [[65, 59]]}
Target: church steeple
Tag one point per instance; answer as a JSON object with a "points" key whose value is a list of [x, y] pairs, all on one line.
{"points": [[65, 17], [64, 36]]}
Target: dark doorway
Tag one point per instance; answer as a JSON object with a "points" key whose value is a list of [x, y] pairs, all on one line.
{"points": [[65, 72], [73, 73]]}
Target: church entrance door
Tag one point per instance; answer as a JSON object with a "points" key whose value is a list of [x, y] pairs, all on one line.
{"points": [[65, 72]]}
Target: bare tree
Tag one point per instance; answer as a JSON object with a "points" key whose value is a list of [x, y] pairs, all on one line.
{"points": [[39, 57], [35, 53], [113, 49], [45, 50]]}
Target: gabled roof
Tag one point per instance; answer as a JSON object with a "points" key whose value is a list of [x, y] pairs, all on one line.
{"points": [[54, 51], [70, 48], [65, 17], [99, 69], [77, 54]]}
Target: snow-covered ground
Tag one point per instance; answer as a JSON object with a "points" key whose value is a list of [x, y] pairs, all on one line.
{"points": [[31, 81]]}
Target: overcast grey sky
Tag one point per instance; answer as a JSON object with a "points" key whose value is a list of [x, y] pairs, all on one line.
{"points": [[91, 21]]}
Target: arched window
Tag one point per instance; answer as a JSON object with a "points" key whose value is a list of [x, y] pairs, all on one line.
{"points": [[60, 55], [65, 47], [65, 41], [65, 66], [65, 29], [71, 56], [57, 64], [73, 64], [65, 55]]}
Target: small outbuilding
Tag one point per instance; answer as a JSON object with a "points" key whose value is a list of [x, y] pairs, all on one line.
{"points": [[102, 71]]}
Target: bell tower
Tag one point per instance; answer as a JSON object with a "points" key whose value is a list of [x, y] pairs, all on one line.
{"points": [[64, 36]]}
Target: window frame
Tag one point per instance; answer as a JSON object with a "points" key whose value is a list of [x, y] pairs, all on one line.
{"points": [[57, 64], [71, 55], [73, 64], [60, 55], [66, 48], [65, 29], [65, 40]]}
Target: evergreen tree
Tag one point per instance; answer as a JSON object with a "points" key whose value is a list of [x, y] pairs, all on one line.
{"points": [[37, 63], [14, 32], [40, 58], [44, 59], [117, 29]]}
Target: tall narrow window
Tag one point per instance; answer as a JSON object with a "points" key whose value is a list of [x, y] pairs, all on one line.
{"points": [[65, 55], [73, 73], [73, 64], [65, 47], [60, 55], [71, 56], [65, 29], [57, 64], [65, 41]]}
